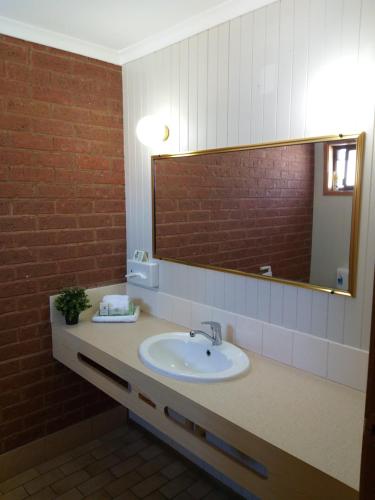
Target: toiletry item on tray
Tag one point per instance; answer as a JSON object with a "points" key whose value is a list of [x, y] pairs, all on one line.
{"points": [[116, 309]]}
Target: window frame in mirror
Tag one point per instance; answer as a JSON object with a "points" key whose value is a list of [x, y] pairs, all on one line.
{"points": [[356, 208]]}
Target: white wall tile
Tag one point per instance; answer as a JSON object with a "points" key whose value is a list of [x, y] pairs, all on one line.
{"points": [[252, 297], [352, 322], [196, 284], [230, 292], [249, 334], [164, 275], [147, 299], [240, 294], [264, 299], [336, 315], [181, 312], [347, 365], [164, 306], [319, 314], [177, 284], [215, 289], [310, 354], [276, 303], [181, 285], [278, 343], [290, 307], [304, 303], [228, 323], [199, 313]]}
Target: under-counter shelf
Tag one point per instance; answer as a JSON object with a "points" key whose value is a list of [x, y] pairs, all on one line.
{"points": [[304, 431]]}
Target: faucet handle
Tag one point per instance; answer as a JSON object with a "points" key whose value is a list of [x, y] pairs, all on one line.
{"points": [[216, 331], [213, 324]]}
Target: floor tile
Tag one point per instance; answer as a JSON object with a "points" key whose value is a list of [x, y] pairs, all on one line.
{"points": [[73, 494], [17, 494], [85, 448], [77, 464], [127, 495], [54, 463], [95, 483], [106, 449], [200, 488], [154, 465], [102, 465], [70, 482], [177, 485], [174, 469], [46, 494], [19, 480], [119, 486], [43, 481], [126, 464], [156, 495], [151, 451], [132, 449], [149, 485], [99, 495]]}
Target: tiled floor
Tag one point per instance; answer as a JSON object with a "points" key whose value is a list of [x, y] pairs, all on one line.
{"points": [[128, 464]]}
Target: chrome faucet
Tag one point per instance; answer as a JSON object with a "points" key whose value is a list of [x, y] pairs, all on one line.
{"points": [[216, 337]]}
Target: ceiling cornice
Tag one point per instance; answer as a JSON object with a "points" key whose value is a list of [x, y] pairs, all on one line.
{"points": [[208, 19], [223, 12], [34, 34]]}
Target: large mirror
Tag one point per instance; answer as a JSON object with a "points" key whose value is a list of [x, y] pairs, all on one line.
{"points": [[285, 211]]}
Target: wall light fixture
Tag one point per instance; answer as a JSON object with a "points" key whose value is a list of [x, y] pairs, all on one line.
{"points": [[152, 131]]}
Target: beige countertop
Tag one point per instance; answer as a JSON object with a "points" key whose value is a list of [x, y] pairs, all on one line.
{"points": [[316, 420]]}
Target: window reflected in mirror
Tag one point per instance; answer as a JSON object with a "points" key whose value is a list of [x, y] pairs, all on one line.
{"points": [[261, 211], [340, 162]]}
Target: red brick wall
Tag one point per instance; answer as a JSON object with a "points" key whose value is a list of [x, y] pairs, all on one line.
{"points": [[62, 220], [238, 210]]}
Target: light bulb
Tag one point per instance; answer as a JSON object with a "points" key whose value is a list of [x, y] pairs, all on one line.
{"points": [[151, 130]]}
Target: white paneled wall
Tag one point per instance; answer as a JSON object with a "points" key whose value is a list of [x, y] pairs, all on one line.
{"points": [[282, 71]]}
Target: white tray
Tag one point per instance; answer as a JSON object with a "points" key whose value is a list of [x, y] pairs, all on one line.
{"points": [[116, 319]]}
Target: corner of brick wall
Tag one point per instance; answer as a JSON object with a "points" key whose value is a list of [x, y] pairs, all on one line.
{"points": [[62, 220]]}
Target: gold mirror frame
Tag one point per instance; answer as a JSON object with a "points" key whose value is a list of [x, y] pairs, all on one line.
{"points": [[356, 207]]}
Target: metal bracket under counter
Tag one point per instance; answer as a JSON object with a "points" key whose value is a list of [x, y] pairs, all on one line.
{"points": [[258, 466]]}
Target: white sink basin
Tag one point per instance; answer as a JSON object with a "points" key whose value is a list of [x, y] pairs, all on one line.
{"points": [[195, 359]]}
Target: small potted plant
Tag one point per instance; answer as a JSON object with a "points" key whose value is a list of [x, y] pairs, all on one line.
{"points": [[71, 302]]}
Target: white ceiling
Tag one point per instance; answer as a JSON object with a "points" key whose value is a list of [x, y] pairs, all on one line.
{"points": [[116, 31]]}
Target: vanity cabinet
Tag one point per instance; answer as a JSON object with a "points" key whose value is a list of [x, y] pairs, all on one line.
{"points": [[264, 438]]}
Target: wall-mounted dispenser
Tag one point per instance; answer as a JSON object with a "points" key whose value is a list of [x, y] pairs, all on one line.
{"points": [[144, 274], [266, 270]]}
